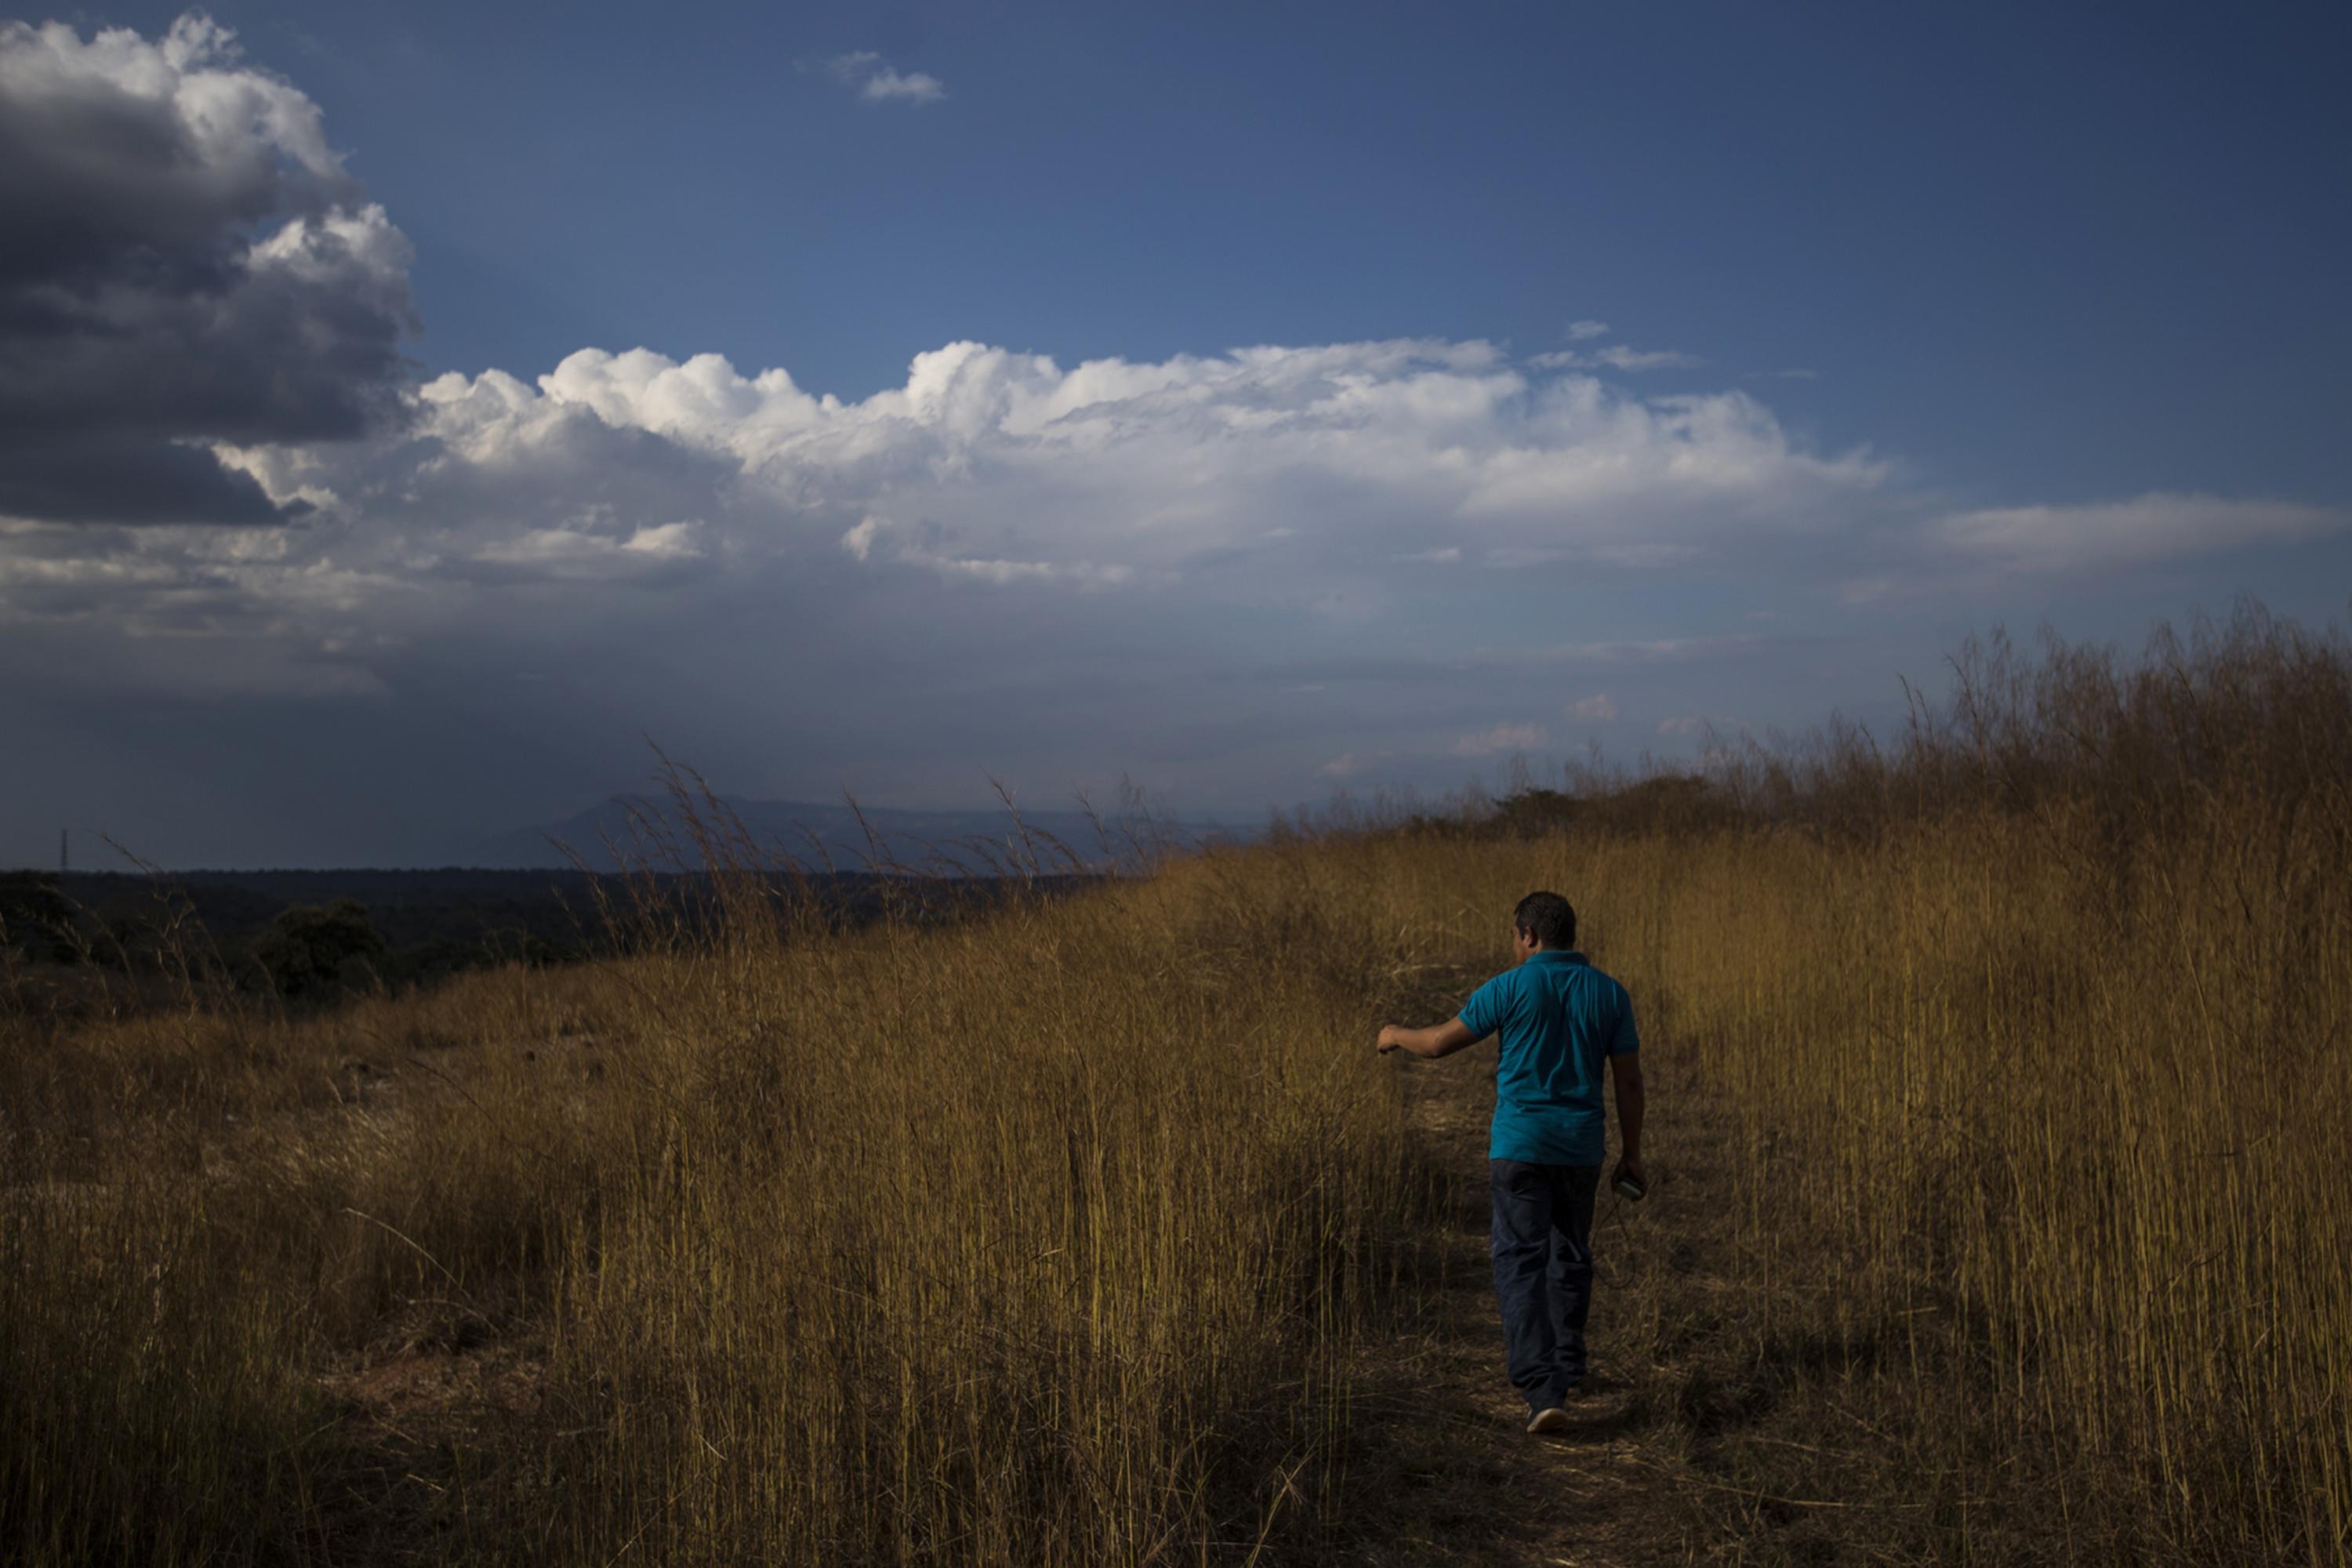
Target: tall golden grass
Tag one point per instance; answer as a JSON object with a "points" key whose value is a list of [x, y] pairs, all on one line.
{"points": [[1058, 1234], [1034, 1240]]}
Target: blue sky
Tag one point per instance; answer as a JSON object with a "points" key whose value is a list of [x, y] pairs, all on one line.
{"points": [[1754, 355], [2039, 255]]}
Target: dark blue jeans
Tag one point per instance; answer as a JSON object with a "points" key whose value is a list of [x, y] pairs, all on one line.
{"points": [[1543, 1272]]}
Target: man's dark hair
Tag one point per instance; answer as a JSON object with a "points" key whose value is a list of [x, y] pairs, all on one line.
{"points": [[1547, 918]]}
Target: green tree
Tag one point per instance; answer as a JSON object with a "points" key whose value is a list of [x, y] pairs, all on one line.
{"points": [[315, 949], [36, 921]]}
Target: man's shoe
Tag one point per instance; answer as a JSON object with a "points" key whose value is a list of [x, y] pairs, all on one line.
{"points": [[1550, 1419]]}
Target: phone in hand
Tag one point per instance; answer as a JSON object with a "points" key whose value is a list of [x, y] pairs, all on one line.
{"points": [[1628, 1188]]}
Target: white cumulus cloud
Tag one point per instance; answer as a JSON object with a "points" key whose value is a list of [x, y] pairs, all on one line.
{"points": [[1617, 356], [1598, 708], [1500, 740], [2153, 527], [1700, 724], [1321, 480], [875, 80]]}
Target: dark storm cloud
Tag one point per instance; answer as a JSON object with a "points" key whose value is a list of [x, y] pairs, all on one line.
{"points": [[95, 479], [182, 261]]}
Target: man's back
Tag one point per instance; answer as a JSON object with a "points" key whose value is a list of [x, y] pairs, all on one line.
{"points": [[1558, 1018]]}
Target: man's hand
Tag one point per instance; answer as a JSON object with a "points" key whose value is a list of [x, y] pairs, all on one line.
{"points": [[1391, 1038], [1625, 1071]]}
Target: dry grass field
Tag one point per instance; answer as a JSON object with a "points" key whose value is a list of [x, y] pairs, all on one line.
{"points": [[1999, 1085]]}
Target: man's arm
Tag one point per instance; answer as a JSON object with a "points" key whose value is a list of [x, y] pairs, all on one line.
{"points": [[1437, 1040], [1626, 1069]]}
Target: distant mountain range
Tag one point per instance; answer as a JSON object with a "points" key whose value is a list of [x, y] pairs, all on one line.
{"points": [[648, 830]]}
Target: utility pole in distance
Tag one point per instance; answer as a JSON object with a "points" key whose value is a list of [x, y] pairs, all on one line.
{"points": [[65, 850]]}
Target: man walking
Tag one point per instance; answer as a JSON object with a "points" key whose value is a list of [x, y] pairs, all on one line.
{"points": [[1559, 1017]]}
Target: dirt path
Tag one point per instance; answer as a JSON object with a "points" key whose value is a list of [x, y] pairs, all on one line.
{"points": [[1441, 1454]]}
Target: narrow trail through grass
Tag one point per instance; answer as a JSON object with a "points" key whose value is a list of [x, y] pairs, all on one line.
{"points": [[1445, 1473]]}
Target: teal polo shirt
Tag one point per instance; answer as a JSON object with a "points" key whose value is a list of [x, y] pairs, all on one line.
{"points": [[1559, 1017]]}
